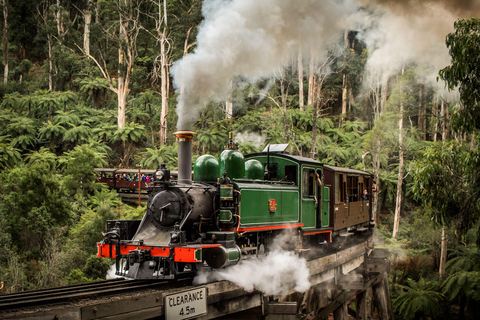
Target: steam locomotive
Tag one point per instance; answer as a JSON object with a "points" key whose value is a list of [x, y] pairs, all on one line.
{"points": [[233, 209]]}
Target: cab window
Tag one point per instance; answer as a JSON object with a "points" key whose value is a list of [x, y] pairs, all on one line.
{"points": [[308, 183]]}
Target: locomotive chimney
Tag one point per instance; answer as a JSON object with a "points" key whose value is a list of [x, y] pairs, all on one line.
{"points": [[184, 156]]}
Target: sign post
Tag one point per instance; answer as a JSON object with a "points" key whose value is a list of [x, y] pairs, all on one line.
{"points": [[186, 304]]}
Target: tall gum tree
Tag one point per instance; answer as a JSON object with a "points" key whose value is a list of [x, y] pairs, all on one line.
{"points": [[124, 32], [5, 41]]}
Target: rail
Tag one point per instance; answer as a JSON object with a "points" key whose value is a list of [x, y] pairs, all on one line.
{"points": [[350, 271]]}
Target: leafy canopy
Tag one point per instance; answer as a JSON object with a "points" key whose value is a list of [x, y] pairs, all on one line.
{"points": [[464, 72]]}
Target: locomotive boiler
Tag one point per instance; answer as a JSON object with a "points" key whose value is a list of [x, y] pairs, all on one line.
{"points": [[233, 208]]}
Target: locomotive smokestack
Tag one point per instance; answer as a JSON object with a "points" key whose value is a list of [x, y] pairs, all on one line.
{"points": [[184, 156]]}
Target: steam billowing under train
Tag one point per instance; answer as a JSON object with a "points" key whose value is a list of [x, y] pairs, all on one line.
{"points": [[233, 208]]}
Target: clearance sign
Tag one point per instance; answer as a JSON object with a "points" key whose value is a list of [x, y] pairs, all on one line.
{"points": [[186, 304]]}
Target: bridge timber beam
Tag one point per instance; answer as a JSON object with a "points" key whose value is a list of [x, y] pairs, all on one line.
{"points": [[358, 271]]}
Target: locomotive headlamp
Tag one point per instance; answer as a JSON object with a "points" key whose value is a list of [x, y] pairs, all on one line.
{"points": [[159, 174]]}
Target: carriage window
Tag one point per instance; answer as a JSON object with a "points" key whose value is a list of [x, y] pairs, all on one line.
{"points": [[352, 188], [308, 183], [291, 173]]}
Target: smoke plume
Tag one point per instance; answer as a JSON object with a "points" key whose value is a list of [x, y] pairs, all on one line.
{"points": [[254, 39], [277, 273]]}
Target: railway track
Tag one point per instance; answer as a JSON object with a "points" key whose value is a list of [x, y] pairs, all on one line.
{"points": [[46, 299], [68, 294]]}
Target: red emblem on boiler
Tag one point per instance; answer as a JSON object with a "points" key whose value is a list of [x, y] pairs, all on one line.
{"points": [[272, 205]]}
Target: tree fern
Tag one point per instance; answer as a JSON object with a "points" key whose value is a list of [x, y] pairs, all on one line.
{"points": [[420, 298]]}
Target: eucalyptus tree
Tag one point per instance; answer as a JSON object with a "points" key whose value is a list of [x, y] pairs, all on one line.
{"points": [[5, 41], [119, 24]]}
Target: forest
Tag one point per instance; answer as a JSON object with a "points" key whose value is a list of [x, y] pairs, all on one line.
{"points": [[392, 88]]}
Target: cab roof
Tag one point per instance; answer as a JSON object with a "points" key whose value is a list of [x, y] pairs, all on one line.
{"points": [[301, 160]]}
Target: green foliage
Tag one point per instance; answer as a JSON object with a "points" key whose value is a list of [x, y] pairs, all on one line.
{"points": [[79, 165], [445, 180], [104, 197], [76, 276], [9, 156], [462, 284], [212, 140], [153, 158], [88, 231], [43, 157], [248, 148], [96, 268], [33, 201], [130, 213], [464, 45], [130, 132], [418, 299]]}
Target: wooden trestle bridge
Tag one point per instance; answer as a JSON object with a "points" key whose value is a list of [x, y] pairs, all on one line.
{"points": [[355, 274]]}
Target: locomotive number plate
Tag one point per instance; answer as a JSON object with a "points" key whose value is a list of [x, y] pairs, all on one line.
{"points": [[186, 304]]}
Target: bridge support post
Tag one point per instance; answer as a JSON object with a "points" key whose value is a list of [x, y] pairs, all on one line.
{"points": [[381, 293], [341, 313], [364, 305]]}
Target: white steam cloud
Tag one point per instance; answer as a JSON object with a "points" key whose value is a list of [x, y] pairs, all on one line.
{"points": [[396, 41], [111, 273], [277, 273], [254, 138], [254, 39]]}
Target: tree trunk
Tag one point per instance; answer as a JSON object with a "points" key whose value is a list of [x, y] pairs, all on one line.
{"points": [[5, 41], [351, 99], [311, 78], [50, 63], [443, 253], [443, 122], [300, 79], [422, 124], [435, 115], [58, 17], [314, 128], [398, 205], [164, 91], [122, 89], [384, 95], [164, 69], [229, 103], [344, 99], [86, 33], [284, 94]]}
